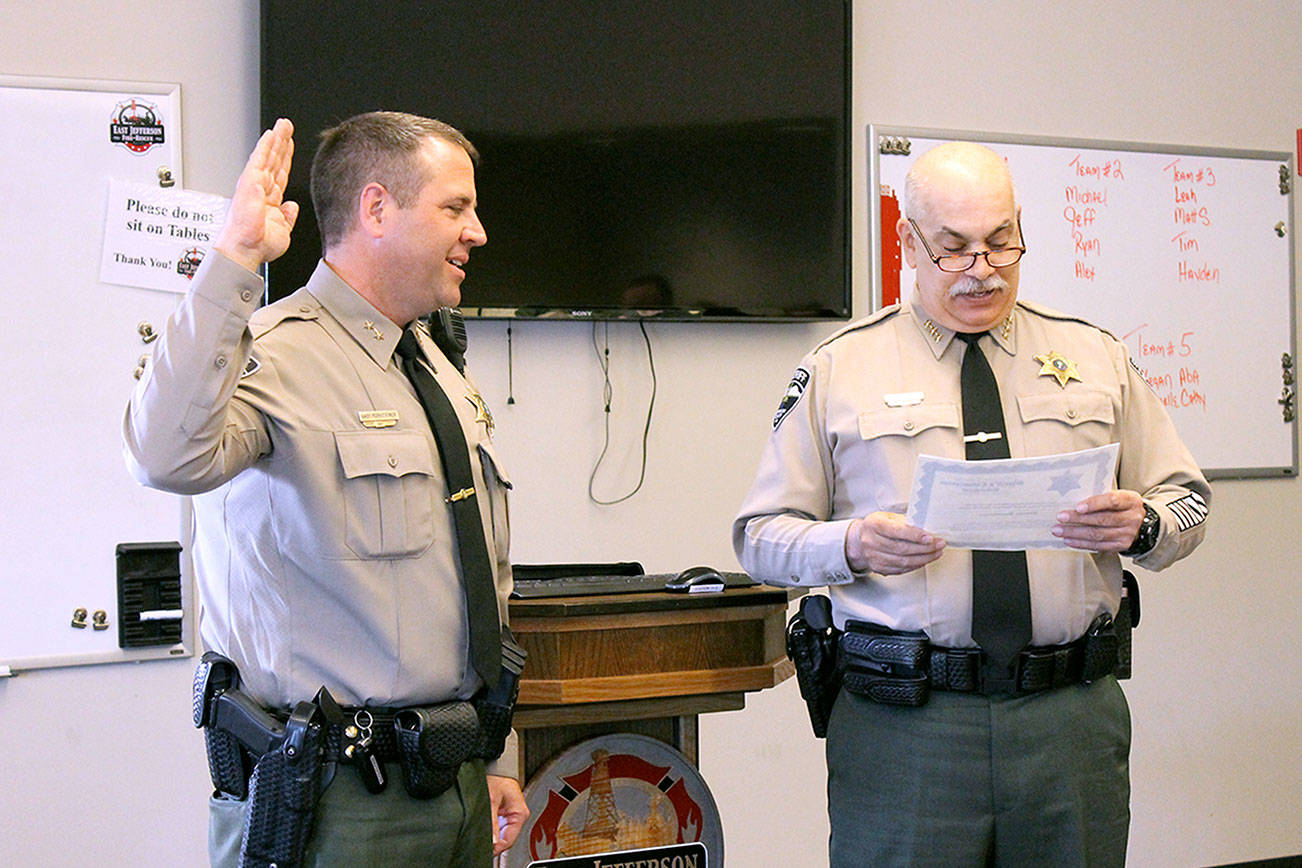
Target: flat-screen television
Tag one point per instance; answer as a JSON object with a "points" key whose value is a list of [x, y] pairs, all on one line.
{"points": [[681, 160]]}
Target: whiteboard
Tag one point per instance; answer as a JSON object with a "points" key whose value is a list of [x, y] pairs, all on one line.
{"points": [[69, 355], [1185, 254]]}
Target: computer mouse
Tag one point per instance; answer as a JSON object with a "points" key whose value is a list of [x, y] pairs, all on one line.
{"points": [[696, 580]]}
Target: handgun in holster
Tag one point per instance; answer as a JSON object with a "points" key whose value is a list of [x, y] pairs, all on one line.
{"points": [[284, 782], [811, 645], [283, 793]]}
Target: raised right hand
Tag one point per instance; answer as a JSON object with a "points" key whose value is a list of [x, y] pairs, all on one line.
{"points": [[884, 543], [259, 221]]}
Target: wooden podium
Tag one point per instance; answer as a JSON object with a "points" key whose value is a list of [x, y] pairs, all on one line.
{"points": [[642, 663]]}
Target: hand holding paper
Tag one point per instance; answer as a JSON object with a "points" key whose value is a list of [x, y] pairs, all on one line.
{"points": [[882, 542], [1107, 522], [1012, 504]]}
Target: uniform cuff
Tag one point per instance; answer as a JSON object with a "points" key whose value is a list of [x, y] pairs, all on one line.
{"points": [[228, 285]]}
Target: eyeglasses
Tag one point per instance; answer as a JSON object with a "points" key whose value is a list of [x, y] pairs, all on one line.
{"points": [[957, 262]]}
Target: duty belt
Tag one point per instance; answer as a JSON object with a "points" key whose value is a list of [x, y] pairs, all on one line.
{"points": [[1038, 669], [899, 667]]}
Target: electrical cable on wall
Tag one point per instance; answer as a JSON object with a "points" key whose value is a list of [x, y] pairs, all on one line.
{"points": [[510, 366], [608, 391]]}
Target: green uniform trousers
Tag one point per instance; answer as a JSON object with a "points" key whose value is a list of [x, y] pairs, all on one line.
{"points": [[969, 780], [354, 828]]}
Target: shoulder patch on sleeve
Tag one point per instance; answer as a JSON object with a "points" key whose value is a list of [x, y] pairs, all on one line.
{"points": [[251, 368], [799, 380]]}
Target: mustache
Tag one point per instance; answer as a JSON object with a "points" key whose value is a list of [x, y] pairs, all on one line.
{"points": [[967, 285]]}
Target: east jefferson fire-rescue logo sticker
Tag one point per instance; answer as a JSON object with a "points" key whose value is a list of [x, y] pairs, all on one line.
{"points": [[136, 126], [189, 262], [616, 793]]}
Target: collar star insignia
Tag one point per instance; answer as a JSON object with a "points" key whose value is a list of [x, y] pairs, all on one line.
{"points": [[370, 327], [1058, 366], [482, 413]]}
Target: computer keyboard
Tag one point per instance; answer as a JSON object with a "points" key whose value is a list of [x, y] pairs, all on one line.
{"points": [[580, 586]]}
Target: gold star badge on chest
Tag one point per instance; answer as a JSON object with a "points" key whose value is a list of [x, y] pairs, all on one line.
{"points": [[482, 413], [1058, 366]]}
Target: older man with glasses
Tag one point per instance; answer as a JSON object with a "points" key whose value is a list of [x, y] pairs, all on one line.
{"points": [[975, 717]]}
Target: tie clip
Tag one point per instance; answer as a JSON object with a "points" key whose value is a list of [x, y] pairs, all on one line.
{"points": [[462, 494], [982, 436]]}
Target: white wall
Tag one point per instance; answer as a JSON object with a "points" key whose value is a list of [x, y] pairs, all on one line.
{"points": [[100, 763]]}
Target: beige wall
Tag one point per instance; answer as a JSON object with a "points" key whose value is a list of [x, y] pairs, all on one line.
{"points": [[100, 763]]}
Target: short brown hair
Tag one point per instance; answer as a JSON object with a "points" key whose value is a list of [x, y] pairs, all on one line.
{"points": [[376, 146]]}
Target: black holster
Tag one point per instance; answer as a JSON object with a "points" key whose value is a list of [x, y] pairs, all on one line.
{"points": [[1127, 619], [283, 793], [496, 707], [433, 742], [887, 666], [284, 758], [229, 762], [811, 645]]}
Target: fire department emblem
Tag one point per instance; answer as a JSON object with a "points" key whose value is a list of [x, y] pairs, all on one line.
{"points": [[614, 793], [136, 126], [189, 262]]}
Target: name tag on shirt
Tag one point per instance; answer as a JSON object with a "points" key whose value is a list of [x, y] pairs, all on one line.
{"points": [[378, 418], [902, 399]]}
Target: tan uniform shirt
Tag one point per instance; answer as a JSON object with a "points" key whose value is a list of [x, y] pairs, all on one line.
{"points": [[324, 550], [839, 451]]}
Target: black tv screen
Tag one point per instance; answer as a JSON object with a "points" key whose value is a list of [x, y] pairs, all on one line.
{"points": [[685, 159]]}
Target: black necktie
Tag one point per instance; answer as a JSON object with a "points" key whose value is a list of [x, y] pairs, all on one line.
{"points": [[1001, 597], [472, 549]]}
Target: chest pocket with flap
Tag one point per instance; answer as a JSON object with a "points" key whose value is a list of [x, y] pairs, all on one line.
{"points": [[907, 421], [389, 490], [1074, 419]]}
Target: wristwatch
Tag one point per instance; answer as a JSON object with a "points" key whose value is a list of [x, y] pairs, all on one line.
{"points": [[1147, 536]]}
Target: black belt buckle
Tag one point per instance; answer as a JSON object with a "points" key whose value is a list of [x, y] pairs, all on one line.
{"points": [[995, 682]]}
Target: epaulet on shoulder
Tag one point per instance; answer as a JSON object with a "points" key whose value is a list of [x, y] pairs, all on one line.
{"points": [[297, 305], [867, 322], [1049, 313]]}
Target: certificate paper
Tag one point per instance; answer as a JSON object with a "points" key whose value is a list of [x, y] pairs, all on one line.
{"points": [[1006, 504]]}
